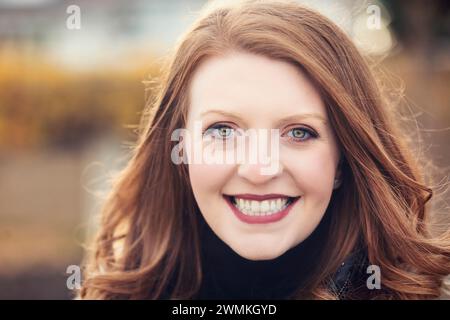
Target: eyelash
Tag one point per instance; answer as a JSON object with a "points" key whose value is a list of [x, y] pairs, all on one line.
{"points": [[216, 126], [312, 134]]}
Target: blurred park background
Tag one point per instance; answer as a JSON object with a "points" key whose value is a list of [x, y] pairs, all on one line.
{"points": [[69, 99]]}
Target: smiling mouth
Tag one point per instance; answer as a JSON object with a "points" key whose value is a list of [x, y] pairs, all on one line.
{"points": [[274, 206]]}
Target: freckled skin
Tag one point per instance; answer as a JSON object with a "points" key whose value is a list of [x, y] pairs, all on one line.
{"points": [[261, 91]]}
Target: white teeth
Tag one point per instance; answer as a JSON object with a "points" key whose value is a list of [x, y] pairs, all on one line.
{"points": [[273, 205], [255, 206], [260, 208], [264, 206]]}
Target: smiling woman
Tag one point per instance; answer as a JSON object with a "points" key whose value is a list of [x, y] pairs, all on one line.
{"points": [[307, 161], [347, 195]]}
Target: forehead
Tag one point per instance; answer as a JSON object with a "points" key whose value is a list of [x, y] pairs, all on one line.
{"points": [[254, 85]]}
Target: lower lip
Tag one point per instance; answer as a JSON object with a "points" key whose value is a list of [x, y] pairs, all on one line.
{"points": [[260, 219]]}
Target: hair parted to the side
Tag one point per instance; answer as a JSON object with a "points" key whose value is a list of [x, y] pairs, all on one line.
{"points": [[151, 211]]}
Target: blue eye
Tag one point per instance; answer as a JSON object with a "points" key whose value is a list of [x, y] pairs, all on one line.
{"points": [[220, 131], [301, 134]]}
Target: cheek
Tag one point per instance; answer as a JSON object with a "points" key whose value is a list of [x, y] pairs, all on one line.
{"points": [[313, 169], [207, 180]]}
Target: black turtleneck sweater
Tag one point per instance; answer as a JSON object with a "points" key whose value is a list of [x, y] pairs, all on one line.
{"points": [[226, 275]]}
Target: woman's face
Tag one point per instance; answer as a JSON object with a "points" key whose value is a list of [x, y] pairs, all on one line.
{"points": [[260, 215]]}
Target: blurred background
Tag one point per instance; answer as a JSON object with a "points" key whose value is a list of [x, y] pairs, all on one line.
{"points": [[72, 89]]}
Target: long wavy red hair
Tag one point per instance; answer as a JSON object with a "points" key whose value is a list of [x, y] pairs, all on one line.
{"points": [[148, 236]]}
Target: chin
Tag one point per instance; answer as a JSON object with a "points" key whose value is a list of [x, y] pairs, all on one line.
{"points": [[256, 254]]}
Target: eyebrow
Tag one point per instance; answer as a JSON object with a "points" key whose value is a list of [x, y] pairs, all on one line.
{"points": [[293, 117]]}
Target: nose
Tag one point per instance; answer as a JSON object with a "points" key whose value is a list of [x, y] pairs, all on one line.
{"points": [[259, 173], [254, 173], [262, 163]]}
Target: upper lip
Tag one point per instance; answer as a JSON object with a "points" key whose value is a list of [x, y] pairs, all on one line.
{"points": [[260, 197]]}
